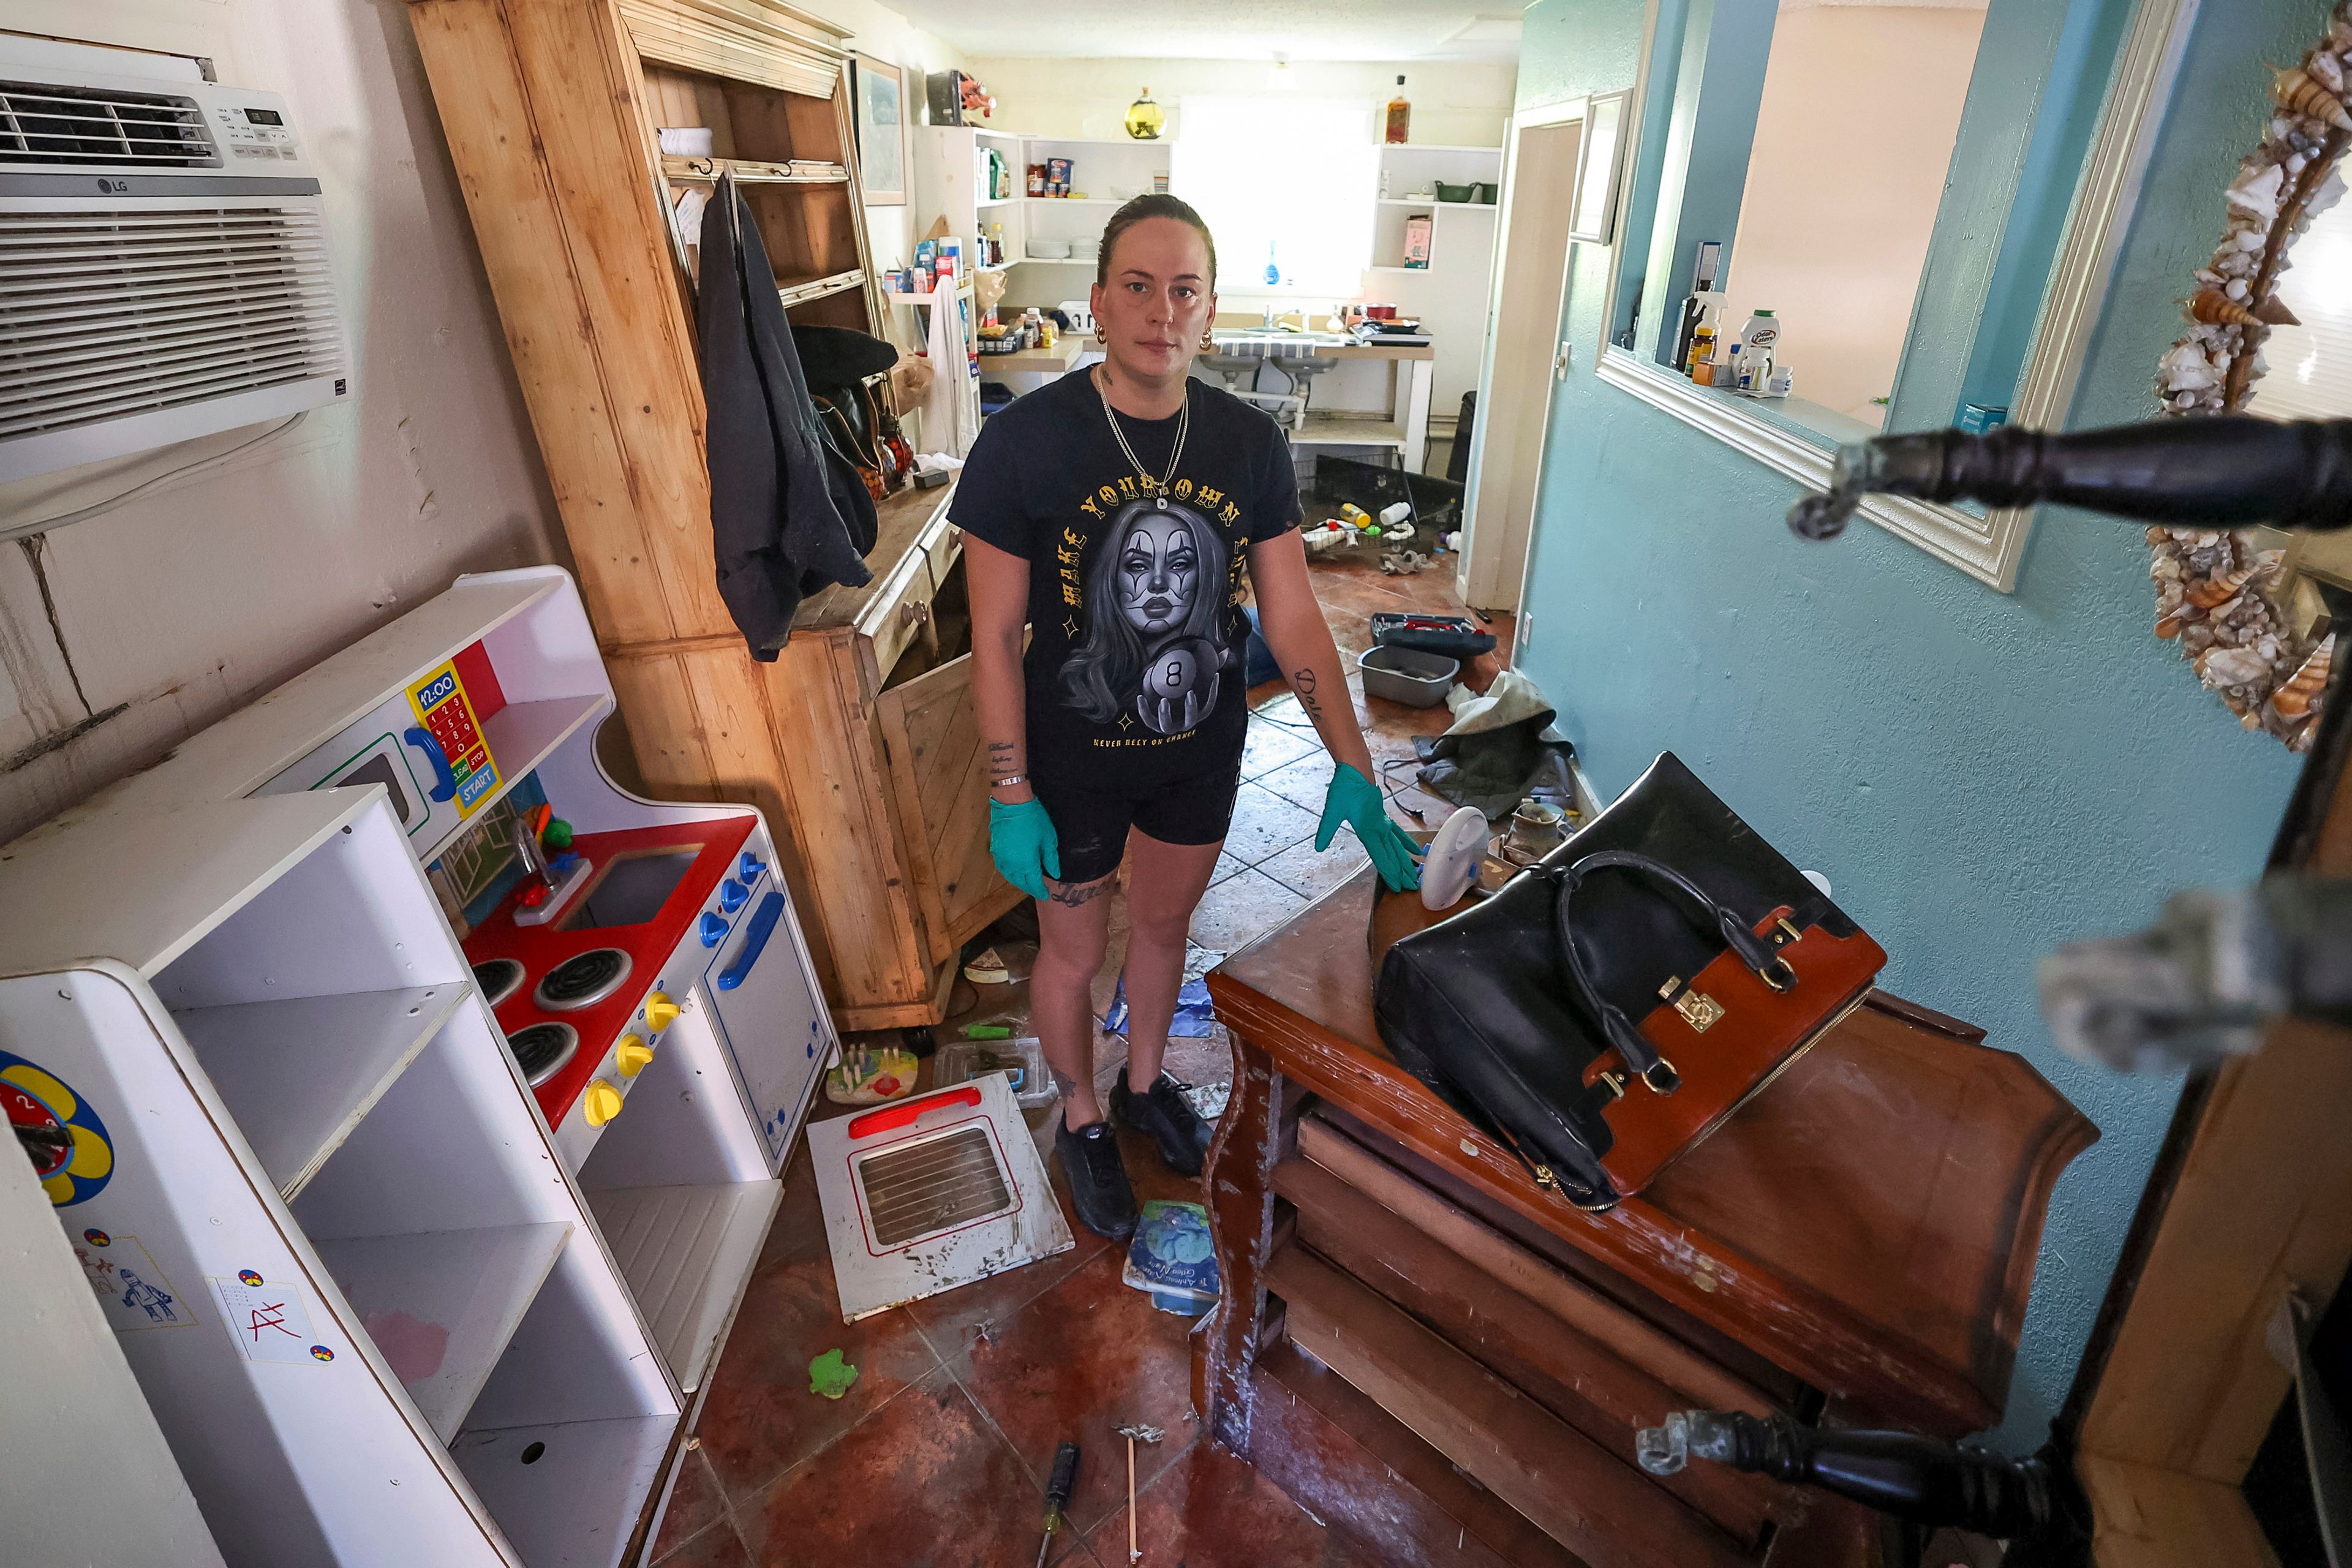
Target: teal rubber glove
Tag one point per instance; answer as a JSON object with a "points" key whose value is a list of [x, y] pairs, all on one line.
{"points": [[1356, 801], [1022, 841]]}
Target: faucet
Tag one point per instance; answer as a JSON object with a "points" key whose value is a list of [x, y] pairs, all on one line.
{"points": [[1269, 319]]}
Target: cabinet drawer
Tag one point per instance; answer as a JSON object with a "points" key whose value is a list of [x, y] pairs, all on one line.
{"points": [[942, 546], [900, 611]]}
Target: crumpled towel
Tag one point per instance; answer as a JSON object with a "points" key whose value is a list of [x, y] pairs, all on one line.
{"points": [[1500, 750]]}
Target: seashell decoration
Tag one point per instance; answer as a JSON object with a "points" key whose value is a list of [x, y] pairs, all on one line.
{"points": [[2212, 587], [2300, 93], [2294, 700], [2213, 305]]}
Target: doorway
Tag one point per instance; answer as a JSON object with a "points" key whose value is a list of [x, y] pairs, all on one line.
{"points": [[1523, 353]]}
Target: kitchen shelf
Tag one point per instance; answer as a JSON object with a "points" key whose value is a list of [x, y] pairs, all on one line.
{"points": [[750, 171], [895, 297], [801, 293], [1415, 270], [299, 1074], [1058, 260], [575, 1500], [1348, 430], [1077, 201], [468, 1288], [1387, 147], [1433, 205], [685, 1251], [1001, 201], [521, 735]]}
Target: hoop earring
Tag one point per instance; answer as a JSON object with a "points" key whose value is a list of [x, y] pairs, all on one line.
{"points": [[1101, 336]]}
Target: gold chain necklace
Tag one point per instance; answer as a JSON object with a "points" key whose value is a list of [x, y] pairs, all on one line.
{"points": [[1183, 425]]}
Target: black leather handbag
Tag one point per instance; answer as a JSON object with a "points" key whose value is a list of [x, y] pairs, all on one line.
{"points": [[1616, 1003]]}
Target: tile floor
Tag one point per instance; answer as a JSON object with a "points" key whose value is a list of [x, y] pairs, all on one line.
{"points": [[937, 1457]]}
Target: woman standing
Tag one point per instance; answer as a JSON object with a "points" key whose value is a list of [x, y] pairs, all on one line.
{"points": [[1114, 514]]}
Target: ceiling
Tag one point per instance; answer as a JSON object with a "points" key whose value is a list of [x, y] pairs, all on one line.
{"points": [[1227, 29]]}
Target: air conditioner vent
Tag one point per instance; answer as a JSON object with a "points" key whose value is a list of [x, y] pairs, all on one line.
{"points": [[44, 123], [105, 314]]}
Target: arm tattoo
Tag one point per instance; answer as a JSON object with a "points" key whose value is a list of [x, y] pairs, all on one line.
{"points": [[1303, 683], [1000, 757]]}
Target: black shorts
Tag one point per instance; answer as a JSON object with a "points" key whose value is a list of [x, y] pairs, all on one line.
{"points": [[1092, 826]]}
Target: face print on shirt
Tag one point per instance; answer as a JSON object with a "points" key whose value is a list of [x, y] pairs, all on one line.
{"points": [[1153, 595], [1159, 571]]}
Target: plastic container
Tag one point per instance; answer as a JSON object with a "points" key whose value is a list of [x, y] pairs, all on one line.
{"points": [[1404, 675], [1465, 193], [1022, 1061]]}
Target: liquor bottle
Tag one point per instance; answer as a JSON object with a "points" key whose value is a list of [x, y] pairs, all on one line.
{"points": [[1400, 115]]}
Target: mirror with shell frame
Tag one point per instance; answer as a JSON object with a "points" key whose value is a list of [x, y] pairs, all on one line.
{"points": [[2246, 607]]}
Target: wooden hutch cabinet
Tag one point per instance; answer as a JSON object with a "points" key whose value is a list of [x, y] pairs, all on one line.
{"points": [[858, 742]]}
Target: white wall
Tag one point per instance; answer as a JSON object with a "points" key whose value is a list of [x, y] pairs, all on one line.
{"points": [[179, 606], [1462, 103], [1454, 103], [1853, 139], [891, 232]]}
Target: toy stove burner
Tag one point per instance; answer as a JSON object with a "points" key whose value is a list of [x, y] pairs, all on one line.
{"points": [[541, 1049], [582, 980], [498, 979]]}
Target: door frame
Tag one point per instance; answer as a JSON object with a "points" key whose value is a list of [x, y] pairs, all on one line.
{"points": [[1475, 551]]}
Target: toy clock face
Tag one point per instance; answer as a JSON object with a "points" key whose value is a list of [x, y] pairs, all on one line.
{"points": [[72, 1156]]}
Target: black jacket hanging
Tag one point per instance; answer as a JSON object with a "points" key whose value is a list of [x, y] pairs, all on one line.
{"points": [[788, 516]]}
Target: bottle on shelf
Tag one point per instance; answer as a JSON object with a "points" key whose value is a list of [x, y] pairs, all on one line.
{"points": [[1272, 269], [1400, 115], [1144, 118]]}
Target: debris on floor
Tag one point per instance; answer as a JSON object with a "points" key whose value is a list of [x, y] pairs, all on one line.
{"points": [[871, 1073], [1195, 1019], [830, 1376], [1171, 1259], [1022, 1063]]}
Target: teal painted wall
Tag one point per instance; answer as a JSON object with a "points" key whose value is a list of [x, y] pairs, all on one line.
{"points": [[1983, 775]]}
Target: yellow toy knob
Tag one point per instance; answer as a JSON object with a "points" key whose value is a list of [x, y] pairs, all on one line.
{"points": [[660, 1012], [632, 1055], [601, 1103]]}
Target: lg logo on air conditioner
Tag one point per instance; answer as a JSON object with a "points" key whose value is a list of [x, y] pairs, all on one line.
{"points": [[114, 187]]}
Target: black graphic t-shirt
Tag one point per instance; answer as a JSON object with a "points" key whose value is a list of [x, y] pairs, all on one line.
{"points": [[1137, 638]]}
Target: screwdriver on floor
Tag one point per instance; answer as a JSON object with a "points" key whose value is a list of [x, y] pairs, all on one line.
{"points": [[1064, 1481]]}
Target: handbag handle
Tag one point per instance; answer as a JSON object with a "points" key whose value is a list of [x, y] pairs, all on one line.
{"points": [[1637, 1052]]}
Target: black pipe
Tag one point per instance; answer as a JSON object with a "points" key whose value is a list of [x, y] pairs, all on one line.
{"points": [[2225, 471]]}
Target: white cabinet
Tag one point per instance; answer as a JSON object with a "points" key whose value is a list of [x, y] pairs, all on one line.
{"points": [[389, 1303]]}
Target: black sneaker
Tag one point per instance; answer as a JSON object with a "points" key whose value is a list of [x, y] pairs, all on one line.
{"points": [[1164, 1112], [1098, 1187]]}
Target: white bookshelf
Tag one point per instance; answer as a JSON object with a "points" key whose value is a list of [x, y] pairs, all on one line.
{"points": [[472, 1285], [1449, 295], [302, 1072]]}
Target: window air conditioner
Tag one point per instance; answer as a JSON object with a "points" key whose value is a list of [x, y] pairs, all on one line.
{"points": [[162, 257]]}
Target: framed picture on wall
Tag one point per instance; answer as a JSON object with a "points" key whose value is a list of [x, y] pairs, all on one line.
{"points": [[1598, 161], [878, 90]]}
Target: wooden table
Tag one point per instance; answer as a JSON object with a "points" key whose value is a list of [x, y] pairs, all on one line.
{"points": [[1861, 1236]]}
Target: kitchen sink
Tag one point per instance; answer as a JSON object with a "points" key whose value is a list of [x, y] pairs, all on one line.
{"points": [[1267, 344]]}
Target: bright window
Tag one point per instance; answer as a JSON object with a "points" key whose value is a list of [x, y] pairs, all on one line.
{"points": [[1288, 181]]}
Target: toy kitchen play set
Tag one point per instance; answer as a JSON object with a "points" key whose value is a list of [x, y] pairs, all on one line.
{"points": [[422, 1245]]}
